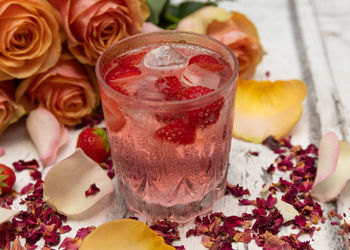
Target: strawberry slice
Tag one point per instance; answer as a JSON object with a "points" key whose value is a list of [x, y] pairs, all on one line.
{"points": [[122, 71], [177, 132], [207, 62], [119, 89], [171, 87], [129, 59], [208, 115]]}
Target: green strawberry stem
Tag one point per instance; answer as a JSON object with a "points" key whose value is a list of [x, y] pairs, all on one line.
{"points": [[101, 132]]}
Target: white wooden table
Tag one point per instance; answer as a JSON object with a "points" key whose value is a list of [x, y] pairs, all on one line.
{"points": [[305, 39]]}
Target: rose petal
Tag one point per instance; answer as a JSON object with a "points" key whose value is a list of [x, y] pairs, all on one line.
{"points": [[199, 20], [124, 234], [47, 134], [6, 214], [67, 181], [332, 168], [275, 106], [150, 27], [287, 211]]}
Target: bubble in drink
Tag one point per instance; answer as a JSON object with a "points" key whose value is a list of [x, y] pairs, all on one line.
{"points": [[164, 56]]}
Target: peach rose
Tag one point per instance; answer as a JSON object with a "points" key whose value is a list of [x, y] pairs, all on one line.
{"points": [[29, 40], [92, 26], [65, 90], [231, 28], [9, 111]]}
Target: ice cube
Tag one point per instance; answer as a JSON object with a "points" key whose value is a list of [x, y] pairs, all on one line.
{"points": [[195, 75], [164, 56], [147, 90]]}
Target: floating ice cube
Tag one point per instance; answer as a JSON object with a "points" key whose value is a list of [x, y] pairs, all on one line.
{"points": [[147, 90], [164, 56], [195, 75]]}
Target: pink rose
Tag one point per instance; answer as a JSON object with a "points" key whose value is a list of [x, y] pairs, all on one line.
{"points": [[65, 90], [9, 111], [231, 28], [92, 26], [29, 40]]}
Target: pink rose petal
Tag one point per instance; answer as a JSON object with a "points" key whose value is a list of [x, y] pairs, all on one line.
{"points": [[333, 168], [47, 134], [150, 27]]}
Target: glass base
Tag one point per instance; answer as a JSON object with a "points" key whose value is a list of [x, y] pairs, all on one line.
{"points": [[181, 213]]}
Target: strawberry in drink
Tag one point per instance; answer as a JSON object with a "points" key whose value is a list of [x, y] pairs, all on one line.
{"points": [[168, 112]]}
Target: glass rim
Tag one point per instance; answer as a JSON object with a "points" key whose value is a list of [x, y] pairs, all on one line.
{"points": [[168, 104]]}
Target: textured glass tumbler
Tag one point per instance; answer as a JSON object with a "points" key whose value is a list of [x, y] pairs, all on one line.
{"points": [[160, 179]]}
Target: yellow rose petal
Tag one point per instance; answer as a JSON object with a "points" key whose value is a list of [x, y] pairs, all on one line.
{"points": [[264, 108], [124, 234]]}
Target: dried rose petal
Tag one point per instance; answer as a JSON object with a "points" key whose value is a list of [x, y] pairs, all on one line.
{"points": [[236, 191], [6, 214], [21, 165], [93, 189]]}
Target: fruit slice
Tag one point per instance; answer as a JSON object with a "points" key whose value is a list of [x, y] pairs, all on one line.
{"points": [[264, 108], [114, 118], [122, 71], [177, 132], [208, 115], [124, 234], [207, 62], [332, 168], [66, 182], [129, 59], [171, 87]]}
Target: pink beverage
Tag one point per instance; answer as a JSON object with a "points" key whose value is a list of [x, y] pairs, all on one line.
{"points": [[168, 100]]}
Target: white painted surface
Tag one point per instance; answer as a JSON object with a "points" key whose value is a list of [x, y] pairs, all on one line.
{"points": [[284, 26]]}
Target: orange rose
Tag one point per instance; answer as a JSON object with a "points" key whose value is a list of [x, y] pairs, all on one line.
{"points": [[65, 90], [92, 26], [29, 38], [9, 111], [231, 28]]}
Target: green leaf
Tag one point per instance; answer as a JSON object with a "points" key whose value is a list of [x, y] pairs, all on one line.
{"points": [[187, 8], [101, 132], [156, 8]]}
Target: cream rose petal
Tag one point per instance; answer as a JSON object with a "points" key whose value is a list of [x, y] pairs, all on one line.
{"points": [[287, 211], [67, 181], [47, 134], [6, 214], [332, 169]]}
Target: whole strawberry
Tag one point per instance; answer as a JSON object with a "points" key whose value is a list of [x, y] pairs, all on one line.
{"points": [[7, 179], [94, 142]]}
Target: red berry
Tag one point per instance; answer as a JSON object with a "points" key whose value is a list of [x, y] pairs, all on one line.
{"points": [[7, 179], [129, 59], [94, 142], [207, 115], [119, 89], [122, 71], [196, 91], [177, 132], [171, 87], [207, 62]]}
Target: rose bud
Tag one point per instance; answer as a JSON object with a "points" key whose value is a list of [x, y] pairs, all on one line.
{"points": [[92, 26], [10, 112], [65, 90], [30, 39], [231, 28]]}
